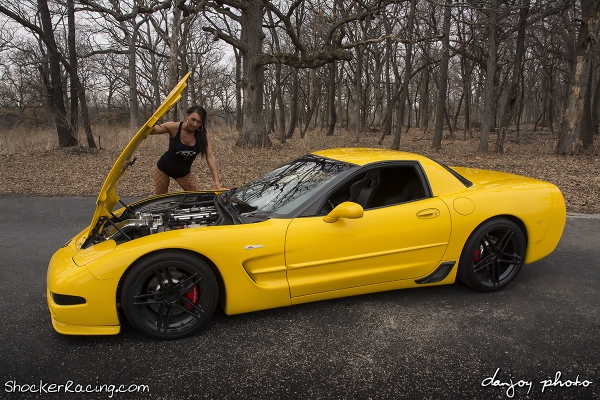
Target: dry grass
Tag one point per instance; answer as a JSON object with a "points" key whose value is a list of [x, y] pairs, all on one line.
{"points": [[31, 165]]}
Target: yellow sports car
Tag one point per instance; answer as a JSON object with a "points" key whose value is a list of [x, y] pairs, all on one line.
{"points": [[333, 223]]}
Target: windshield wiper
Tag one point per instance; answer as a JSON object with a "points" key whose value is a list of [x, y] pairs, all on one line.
{"points": [[241, 206], [223, 203]]}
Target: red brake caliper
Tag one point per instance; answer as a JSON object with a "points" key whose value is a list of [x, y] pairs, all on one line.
{"points": [[478, 255], [193, 296]]}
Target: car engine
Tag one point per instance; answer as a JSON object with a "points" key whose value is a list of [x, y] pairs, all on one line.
{"points": [[146, 223], [157, 215]]}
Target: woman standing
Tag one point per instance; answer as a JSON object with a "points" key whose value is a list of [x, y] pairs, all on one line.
{"points": [[187, 139]]}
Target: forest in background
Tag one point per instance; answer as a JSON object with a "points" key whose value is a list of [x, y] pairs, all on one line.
{"points": [[273, 69]]}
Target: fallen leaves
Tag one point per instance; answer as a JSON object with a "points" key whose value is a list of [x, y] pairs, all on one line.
{"points": [[81, 172]]}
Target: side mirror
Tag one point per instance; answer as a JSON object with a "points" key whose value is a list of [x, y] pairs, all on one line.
{"points": [[347, 210]]}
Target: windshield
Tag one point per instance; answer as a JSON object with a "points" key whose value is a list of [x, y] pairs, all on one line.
{"points": [[282, 190]]}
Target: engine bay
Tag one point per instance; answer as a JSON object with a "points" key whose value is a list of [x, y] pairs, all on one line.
{"points": [[155, 215]]}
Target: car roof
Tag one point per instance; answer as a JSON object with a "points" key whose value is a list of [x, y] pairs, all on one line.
{"points": [[363, 156]]}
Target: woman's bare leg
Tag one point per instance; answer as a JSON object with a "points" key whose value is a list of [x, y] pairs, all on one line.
{"points": [[161, 181], [189, 182]]}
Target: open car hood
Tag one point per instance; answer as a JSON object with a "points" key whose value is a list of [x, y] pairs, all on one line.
{"points": [[108, 197]]}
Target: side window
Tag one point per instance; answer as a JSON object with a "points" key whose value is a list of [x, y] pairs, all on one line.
{"points": [[379, 187]]}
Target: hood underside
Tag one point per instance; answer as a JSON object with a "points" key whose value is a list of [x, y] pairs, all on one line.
{"points": [[108, 197]]}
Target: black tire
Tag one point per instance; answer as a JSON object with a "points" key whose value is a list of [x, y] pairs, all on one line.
{"points": [[169, 295], [493, 255]]}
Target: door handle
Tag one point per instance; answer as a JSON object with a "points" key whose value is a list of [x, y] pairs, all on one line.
{"points": [[428, 213]]}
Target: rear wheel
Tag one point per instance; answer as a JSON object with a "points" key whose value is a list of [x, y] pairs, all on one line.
{"points": [[493, 255], [170, 295]]}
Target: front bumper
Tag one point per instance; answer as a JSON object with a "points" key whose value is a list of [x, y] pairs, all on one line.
{"points": [[94, 310]]}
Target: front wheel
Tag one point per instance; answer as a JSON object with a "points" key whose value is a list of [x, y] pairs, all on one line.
{"points": [[493, 255], [170, 295]]}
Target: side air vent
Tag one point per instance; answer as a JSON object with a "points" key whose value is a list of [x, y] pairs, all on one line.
{"points": [[439, 274]]}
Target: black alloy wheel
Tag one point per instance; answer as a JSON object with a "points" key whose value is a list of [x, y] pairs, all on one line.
{"points": [[170, 295], [493, 255]]}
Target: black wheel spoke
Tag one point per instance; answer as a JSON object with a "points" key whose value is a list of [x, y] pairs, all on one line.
{"points": [[200, 311], [165, 281], [483, 263], [495, 274], [147, 302], [505, 240], [147, 295], [510, 258], [488, 243], [164, 319], [188, 283], [159, 276], [160, 313]]}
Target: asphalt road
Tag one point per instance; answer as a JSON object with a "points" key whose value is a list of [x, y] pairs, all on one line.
{"points": [[542, 334]]}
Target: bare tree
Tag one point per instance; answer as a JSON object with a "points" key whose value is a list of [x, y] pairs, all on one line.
{"points": [[441, 101], [52, 74], [576, 123], [407, 74], [513, 92]]}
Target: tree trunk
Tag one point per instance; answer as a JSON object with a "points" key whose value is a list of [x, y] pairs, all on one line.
{"points": [[424, 103], [278, 95], [74, 112], [377, 93], [407, 75], [331, 98], [358, 93], [513, 91], [239, 120], [271, 113], [174, 56], [57, 104], [253, 133], [185, 68], [466, 74], [312, 100], [293, 105], [596, 107], [389, 103], [154, 69], [441, 100], [339, 86], [134, 107], [571, 136], [281, 105], [488, 101]]}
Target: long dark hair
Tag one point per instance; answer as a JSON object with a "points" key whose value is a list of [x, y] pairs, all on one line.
{"points": [[200, 132]]}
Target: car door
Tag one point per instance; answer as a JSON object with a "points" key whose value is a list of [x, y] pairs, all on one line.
{"points": [[389, 243]]}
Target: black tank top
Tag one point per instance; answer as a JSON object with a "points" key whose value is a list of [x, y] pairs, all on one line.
{"points": [[177, 160]]}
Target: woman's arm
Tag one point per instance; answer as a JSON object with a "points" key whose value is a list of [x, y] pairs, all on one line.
{"points": [[212, 164], [169, 127]]}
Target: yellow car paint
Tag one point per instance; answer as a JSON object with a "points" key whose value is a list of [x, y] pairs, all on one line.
{"points": [[376, 248]]}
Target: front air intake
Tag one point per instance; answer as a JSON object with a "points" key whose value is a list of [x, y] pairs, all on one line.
{"points": [[66, 300]]}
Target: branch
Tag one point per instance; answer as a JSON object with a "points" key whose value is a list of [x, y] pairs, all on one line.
{"points": [[434, 38], [289, 28], [315, 60], [136, 10], [187, 11], [224, 11], [369, 11], [217, 34], [231, 3]]}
